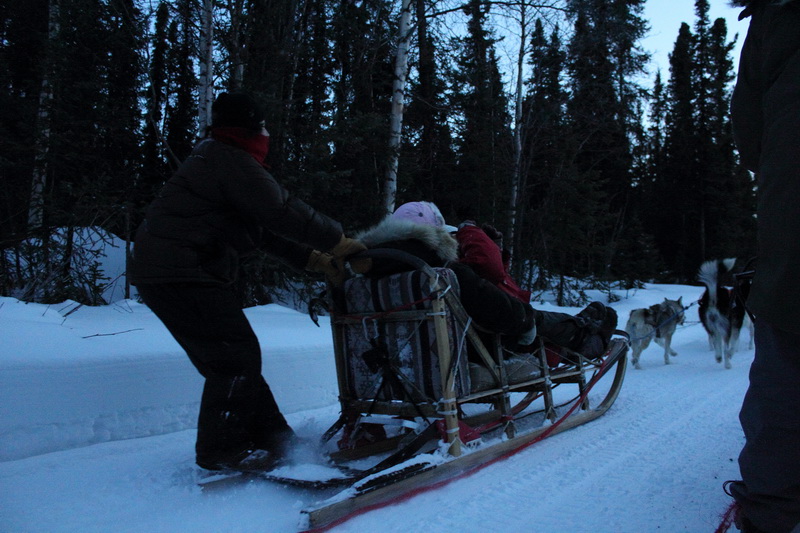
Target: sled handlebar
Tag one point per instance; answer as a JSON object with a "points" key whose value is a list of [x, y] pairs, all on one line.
{"points": [[394, 255]]}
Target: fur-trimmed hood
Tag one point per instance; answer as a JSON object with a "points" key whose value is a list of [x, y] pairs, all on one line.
{"points": [[393, 229]]}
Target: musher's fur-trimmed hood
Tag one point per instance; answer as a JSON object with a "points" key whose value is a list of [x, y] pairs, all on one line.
{"points": [[392, 229]]}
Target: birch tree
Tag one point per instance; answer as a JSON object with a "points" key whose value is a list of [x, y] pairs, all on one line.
{"points": [[518, 99], [42, 144], [398, 104], [231, 47], [206, 81]]}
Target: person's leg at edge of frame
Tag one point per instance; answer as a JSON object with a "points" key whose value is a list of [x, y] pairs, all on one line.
{"points": [[770, 462]]}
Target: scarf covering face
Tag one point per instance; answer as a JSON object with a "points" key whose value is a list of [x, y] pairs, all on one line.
{"points": [[256, 145]]}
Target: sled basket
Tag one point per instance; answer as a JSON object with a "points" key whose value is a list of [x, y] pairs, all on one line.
{"points": [[402, 343], [389, 321]]}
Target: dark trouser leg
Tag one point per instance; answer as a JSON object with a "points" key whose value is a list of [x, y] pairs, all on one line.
{"points": [[770, 417], [563, 329], [237, 410], [237, 413]]}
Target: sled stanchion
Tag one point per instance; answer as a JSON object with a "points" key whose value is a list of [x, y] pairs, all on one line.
{"points": [[339, 357], [504, 401], [547, 393], [447, 373]]}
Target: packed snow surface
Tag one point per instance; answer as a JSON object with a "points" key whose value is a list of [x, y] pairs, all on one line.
{"points": [[98, 408]]}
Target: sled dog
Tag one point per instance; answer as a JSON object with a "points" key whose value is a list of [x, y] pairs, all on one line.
{"points": [[657, 322], [721, 312], [746, 325]]}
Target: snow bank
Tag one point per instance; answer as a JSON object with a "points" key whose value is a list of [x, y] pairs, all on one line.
{"points": [[74, 375]]}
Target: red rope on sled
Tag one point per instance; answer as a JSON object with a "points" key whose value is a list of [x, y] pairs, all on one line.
{"points": [[422, 490], [728, 518], [503, 419]]}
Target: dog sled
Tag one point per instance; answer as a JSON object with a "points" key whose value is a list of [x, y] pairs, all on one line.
{"points": [[426, 395]]}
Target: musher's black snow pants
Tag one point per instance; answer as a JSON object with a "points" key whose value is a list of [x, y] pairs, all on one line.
{"points": [[237, 409]]}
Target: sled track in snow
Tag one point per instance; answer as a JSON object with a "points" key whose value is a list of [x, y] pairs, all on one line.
{"points": [[554, 474]]}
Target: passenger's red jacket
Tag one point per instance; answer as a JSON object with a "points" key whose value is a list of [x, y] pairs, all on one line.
{"points": [[479, 251]]}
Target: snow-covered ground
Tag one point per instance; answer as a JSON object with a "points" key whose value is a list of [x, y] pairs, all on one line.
{"points": [[97, 407]]}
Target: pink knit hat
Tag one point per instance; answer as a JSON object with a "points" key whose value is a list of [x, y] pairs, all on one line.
{"points": [[422, 213]]}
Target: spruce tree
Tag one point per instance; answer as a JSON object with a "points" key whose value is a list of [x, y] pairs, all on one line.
{"points": [[730, 198], [427, 164], [181, 102], [122, 131], [23, 62], [544, 158], [306, 167], [596, 139], [704, 145], [269, 34], [654, 151], [155, 152], [640, 258], [361, 35], [711, 197], [88, 137], [485, 163], [675, 184], [605, 59]]}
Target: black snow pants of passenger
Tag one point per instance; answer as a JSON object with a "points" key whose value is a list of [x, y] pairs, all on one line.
{"points": [[489, 306], [500, 312], [237, 409]]}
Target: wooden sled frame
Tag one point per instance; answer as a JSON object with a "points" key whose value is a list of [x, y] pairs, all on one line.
{"points": [[406, 470], [448, 409]]}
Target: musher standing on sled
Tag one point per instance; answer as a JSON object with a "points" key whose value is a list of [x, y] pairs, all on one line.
{"points": [[766, 118], [219, 205]]}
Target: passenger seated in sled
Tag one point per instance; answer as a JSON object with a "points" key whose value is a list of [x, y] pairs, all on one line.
{"points": [[489, 295]]}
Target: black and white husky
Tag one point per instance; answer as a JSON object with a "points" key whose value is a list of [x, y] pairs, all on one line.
{"points": [[721, 311]]}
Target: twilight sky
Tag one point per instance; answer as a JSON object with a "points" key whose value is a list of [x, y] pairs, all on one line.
{"points": [[666, 16]]}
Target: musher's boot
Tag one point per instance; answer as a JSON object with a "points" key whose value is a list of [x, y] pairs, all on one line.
{"points": [[249, 460]]}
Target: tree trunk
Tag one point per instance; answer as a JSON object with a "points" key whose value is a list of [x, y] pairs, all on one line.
{"points": [[206, 81], [515, 179], [235, 49], [42, 145], [398, 102]]}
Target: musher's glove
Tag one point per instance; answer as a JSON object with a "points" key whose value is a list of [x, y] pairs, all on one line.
{"points": [[325, 264], [361, 266], [345, 249]]}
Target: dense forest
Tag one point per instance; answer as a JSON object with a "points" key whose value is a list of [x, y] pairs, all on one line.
{"points": [[593, 171]]}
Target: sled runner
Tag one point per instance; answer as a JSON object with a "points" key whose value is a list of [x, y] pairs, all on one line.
{"points": [[427, 396]]}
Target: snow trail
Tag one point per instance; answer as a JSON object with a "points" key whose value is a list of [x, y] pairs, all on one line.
{"points": [[655, 461]]}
